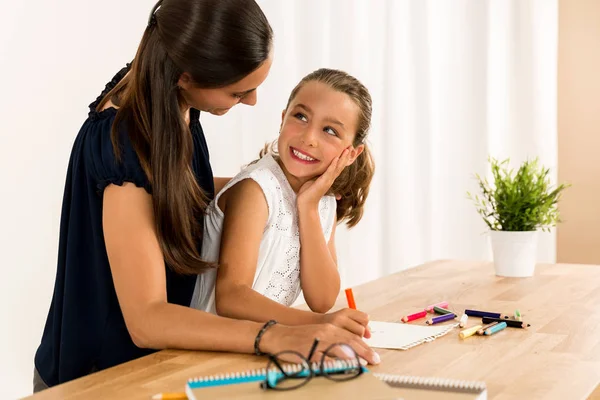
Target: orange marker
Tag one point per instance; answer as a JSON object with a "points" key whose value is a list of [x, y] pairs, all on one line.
{"points": [[350, 298], [170, 396]]}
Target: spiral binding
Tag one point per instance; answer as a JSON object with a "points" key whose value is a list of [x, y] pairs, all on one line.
{"points": [[288, 368], [432, 383]]}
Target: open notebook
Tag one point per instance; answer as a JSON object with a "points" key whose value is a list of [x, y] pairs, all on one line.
{"points": [[393, 335], [246, 386]]}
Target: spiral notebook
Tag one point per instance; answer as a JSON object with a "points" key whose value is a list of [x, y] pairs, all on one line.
{"points": [[422, 388], [246, 386]]}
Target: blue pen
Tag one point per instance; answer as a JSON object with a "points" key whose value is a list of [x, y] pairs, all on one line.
{"points": [[496, 328]]}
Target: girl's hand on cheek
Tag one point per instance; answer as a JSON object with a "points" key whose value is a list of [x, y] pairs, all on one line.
{"points": [[311, 192]]}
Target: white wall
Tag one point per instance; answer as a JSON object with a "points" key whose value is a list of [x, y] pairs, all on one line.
{"points": [[445, 77], [55, 57]]}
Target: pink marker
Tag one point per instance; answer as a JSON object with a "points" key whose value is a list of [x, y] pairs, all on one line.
{"points": [[443, 304], [414, 316]]}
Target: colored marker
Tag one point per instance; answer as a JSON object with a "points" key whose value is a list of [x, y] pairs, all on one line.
{"points": [[440, 310], [510, 322], [441, 318], [443, 304], [475, 313], [350, 298], [469, 331], [170, 396], [495, 328], [463, 320], [414, 316], [518, 315], [482, 330]]}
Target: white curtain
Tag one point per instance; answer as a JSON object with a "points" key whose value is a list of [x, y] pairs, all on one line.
{"points": [[452, 82]]}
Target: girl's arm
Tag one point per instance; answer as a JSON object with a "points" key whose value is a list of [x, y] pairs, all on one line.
{"points": [[220, 183], [246, 213], [318, 264], [138, 271]]}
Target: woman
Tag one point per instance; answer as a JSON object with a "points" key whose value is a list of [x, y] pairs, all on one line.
{"points": [[138, 182]]}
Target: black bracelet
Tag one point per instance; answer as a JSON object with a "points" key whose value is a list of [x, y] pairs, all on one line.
{"points": [[259, 336]]}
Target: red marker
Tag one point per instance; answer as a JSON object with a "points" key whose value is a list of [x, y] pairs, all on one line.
{"points": [[414, 316], [350, 298]]}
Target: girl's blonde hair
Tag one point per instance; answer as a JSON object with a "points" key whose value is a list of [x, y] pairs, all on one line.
{"points": [[354, 181]]}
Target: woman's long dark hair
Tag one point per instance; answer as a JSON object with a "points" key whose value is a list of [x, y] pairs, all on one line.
{"points": [[218, 42]]}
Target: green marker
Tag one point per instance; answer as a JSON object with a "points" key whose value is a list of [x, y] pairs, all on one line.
{"points": [[441, 311], [517, 315]]}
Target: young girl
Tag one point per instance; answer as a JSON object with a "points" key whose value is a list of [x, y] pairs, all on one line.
{"points": [[272, 227]]}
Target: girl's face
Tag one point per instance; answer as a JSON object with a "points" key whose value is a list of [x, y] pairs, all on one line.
{"points": [[220, 100], [317, 126]]}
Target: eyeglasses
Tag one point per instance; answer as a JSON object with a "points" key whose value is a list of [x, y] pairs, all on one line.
{"points": [[288, 375]]}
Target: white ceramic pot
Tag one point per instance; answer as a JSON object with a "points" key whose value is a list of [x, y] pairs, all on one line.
{"points": [[515, 253]]}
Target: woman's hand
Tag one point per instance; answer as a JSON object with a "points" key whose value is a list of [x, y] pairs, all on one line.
{"points": [[312, 191], [300, 339]]}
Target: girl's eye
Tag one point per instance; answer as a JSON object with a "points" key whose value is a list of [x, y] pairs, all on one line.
{"points": [[238, 96], [301, 117], [330, 131]]}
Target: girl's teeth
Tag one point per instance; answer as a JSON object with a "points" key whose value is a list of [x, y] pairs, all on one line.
{"points": [[302, 156]]}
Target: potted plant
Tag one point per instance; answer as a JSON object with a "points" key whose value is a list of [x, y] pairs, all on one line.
{"points": [[515, 207]]}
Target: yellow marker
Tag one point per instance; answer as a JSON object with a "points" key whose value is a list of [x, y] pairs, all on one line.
{"points": [[469, 332]]}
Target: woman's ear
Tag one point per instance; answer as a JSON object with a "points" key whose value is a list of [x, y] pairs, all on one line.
{"points": [[185, 81], [354, 153]]}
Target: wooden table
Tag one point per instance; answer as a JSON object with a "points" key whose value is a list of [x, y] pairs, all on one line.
{"points": [[558, 357]]}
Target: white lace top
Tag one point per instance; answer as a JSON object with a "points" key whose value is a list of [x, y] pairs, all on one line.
{"points": [[278, 269]]}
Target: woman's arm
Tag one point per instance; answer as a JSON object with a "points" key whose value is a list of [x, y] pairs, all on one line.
{"points": [[318, 264], [138, 272], [246, 214]]}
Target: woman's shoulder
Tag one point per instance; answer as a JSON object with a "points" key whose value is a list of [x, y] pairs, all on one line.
{"points": [[110, 159], [104, 158]]}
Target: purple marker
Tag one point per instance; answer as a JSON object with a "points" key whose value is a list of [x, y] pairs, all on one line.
{"points": [[441, 318], [481, 314]]}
